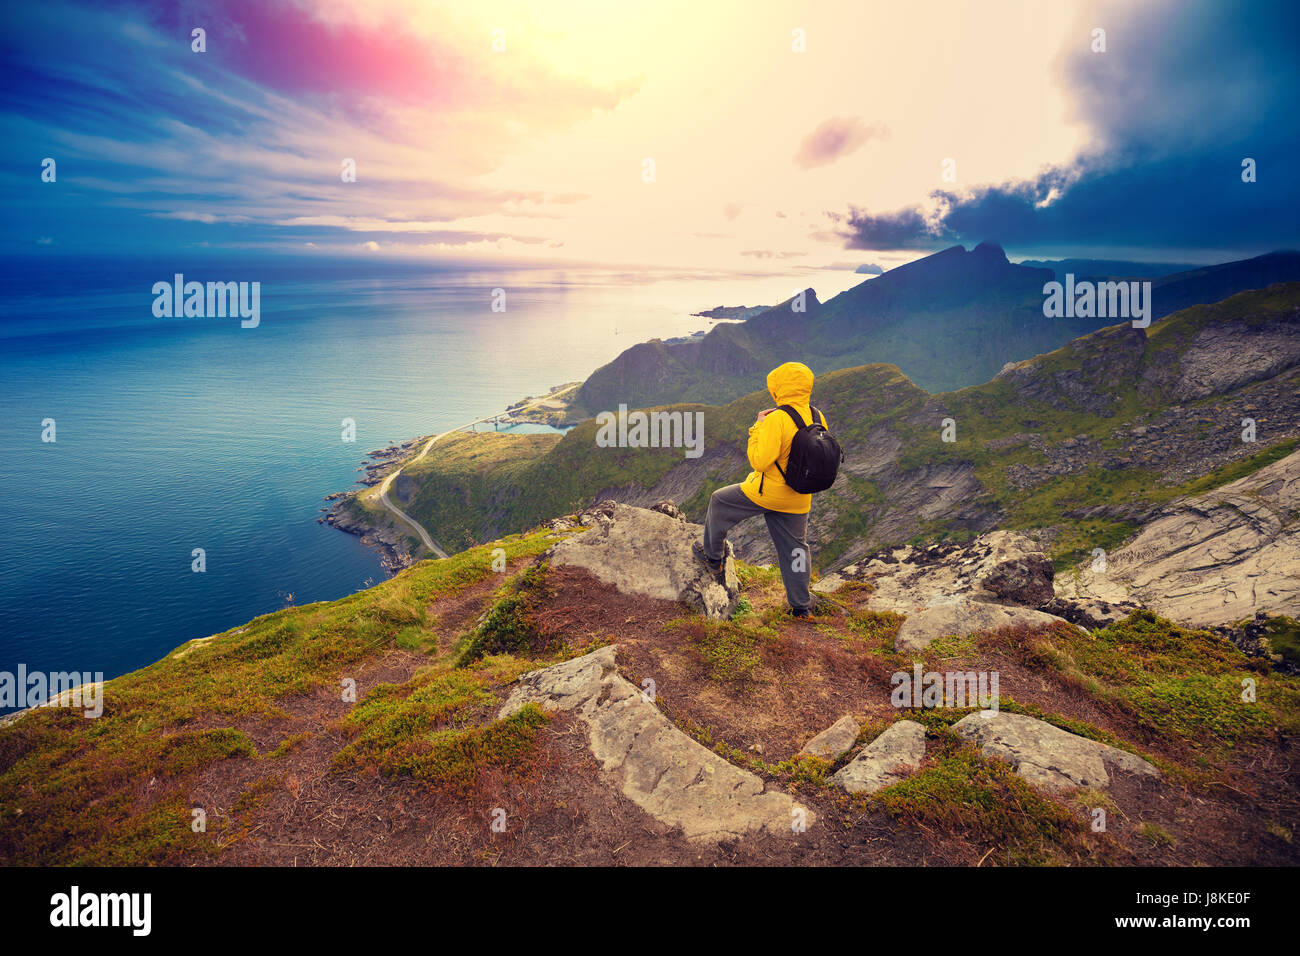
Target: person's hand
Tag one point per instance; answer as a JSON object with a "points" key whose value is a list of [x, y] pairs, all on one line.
{"points": [[764, 413]]}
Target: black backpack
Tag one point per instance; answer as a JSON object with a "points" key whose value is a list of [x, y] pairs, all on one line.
{"points": [[815, 456]]}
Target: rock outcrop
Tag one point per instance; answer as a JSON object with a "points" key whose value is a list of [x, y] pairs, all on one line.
{"points": [[391, 541], [1226, 356], [1024, 580], [833, 742], [1045, 755], [961, 617], [647, 552], [999, 567], [892, 755], [994, 581], [1212, 558], [656, 766]]}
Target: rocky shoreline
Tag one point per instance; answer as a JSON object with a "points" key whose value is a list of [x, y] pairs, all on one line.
{"points": [[391, 541], [393, 545], [382, 460], [343, 513]]}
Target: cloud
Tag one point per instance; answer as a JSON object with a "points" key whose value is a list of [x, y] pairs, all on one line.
{"points": [[1168, 134], [836, 138], [251, 135], [869, 269], [186, 215], [902, 229]]}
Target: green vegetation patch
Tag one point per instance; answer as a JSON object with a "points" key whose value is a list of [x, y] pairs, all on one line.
{"points": [[729, 651], [69, 785], [455, 760], [1174, 683], [1240, 468], [510, 626], [1284, 637], [393, 715], [960, 792], [877, 630]]}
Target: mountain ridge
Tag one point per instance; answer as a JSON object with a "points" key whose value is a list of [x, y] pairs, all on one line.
{"points": [[948, 320]]}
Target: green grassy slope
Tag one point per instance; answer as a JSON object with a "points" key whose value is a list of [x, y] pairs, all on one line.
{"points": [[242, 711], [72, 790]]}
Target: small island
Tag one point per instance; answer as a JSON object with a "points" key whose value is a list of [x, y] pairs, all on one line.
{"points": [[732, 313]]}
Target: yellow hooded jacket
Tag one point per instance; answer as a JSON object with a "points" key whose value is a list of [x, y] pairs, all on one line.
{"points": [[769, 441]]}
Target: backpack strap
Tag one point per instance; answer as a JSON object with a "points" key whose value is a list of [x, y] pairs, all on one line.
{"points": [[798, 423], [789, 410]]}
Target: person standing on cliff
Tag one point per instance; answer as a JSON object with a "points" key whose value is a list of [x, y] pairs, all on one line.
{"points": [[793, 455]]}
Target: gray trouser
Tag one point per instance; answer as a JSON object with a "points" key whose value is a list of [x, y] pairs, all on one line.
{"points": [[729, 506]]}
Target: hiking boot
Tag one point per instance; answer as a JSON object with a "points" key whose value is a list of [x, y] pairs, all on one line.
{"points": [[714, 567], [800, 612]]}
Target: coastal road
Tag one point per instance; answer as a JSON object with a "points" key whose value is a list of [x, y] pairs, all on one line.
{"points": [[392, 476]]}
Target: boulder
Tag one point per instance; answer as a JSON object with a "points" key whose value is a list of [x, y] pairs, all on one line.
{"points": [[1045, 755], [644, 552], [598, 514], [656, 766], [962, 617], [666, 506], [829, 584], [1001, 567], [833, 742], [895, 753], [1025, 580]]}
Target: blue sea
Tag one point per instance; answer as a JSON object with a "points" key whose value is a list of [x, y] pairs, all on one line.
{"points": [[177, 434]]}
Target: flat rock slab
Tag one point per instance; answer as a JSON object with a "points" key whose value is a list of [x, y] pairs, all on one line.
{"points": [[646, 552], [895, 753], [660, 769], [829, 584], [833, 742], [1048, 756], [1212, 558], [963, 617]]}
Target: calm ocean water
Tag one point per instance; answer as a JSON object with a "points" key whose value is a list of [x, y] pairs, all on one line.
{"points": [[176, 434]]}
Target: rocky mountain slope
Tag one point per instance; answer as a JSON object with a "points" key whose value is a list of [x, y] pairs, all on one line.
{"points": [[1212, 558], [576, 696], [583, 692]]}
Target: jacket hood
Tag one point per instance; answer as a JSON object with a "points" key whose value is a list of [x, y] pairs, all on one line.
{"points": [[791, 384]]}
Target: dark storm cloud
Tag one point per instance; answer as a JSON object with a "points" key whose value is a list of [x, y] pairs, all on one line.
{"points": [[1183, 94]]}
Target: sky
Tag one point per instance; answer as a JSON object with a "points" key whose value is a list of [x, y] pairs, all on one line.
{"points": [[722, 135]]}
